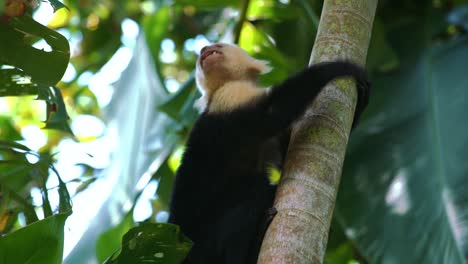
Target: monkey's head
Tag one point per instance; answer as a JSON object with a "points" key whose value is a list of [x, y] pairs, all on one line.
{"points": [[221, 63]]}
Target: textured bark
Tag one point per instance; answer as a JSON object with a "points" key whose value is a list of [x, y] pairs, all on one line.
{"points": [[306, 196]]}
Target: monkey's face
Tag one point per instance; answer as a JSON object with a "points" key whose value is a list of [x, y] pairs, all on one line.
{"points": [[221, 63], [212, 58]]}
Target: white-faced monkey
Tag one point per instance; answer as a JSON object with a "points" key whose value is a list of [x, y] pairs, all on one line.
{"points": [[222, 193]]}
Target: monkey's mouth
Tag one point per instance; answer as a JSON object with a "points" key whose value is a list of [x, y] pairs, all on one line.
{"points": [[208, 52]]}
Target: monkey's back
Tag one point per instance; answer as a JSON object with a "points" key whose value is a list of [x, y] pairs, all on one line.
{"points": [[221, 192]]}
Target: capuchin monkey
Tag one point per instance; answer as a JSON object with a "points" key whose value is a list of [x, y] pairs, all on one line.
{"points": [[222, 195]]}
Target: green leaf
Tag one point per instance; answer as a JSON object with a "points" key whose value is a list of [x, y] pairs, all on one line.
{"points": [[23, 205], [17, 175], [155, 243], [44, 67], [340, 255], [65, 204], [47, 94], [6, 144], [309, 13], [271, 9], [14, 82], [57, 117], [166, 180], [15, 170], [109, 241], [405, 176], [38, 243], [156, 27], [178, 102], [257, 43]]}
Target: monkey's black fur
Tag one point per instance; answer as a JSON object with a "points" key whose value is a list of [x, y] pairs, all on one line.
{"points": [[222, 194]]}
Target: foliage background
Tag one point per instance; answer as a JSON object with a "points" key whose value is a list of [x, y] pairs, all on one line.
{"points": [[129, 91]]}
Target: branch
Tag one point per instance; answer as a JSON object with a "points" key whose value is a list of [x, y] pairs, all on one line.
{"points": [[243, 14]]}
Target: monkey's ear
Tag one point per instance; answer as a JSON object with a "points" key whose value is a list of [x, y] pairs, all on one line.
{"points": [[260, 67]]}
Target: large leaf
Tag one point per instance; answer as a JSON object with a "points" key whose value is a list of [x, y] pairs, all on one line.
{"points": [[153, 243], [45, 67], [403, 196], [109, 241], [38, 243]]}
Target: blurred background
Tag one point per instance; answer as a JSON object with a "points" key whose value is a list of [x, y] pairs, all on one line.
{"points": [[93, 121]]}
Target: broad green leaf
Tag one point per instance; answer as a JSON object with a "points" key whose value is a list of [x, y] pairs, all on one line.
{"points": [[110, 241], [44, 67], [37, 243], [155, 243], [403, 198]]}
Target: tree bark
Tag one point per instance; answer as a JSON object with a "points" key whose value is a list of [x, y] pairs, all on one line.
{"points": [[306, 195]]}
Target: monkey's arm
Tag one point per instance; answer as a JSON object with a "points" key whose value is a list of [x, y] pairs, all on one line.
{"points": [[275, 111]]}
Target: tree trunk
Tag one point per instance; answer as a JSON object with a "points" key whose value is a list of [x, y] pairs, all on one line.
{"points": [[306, 195]]}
